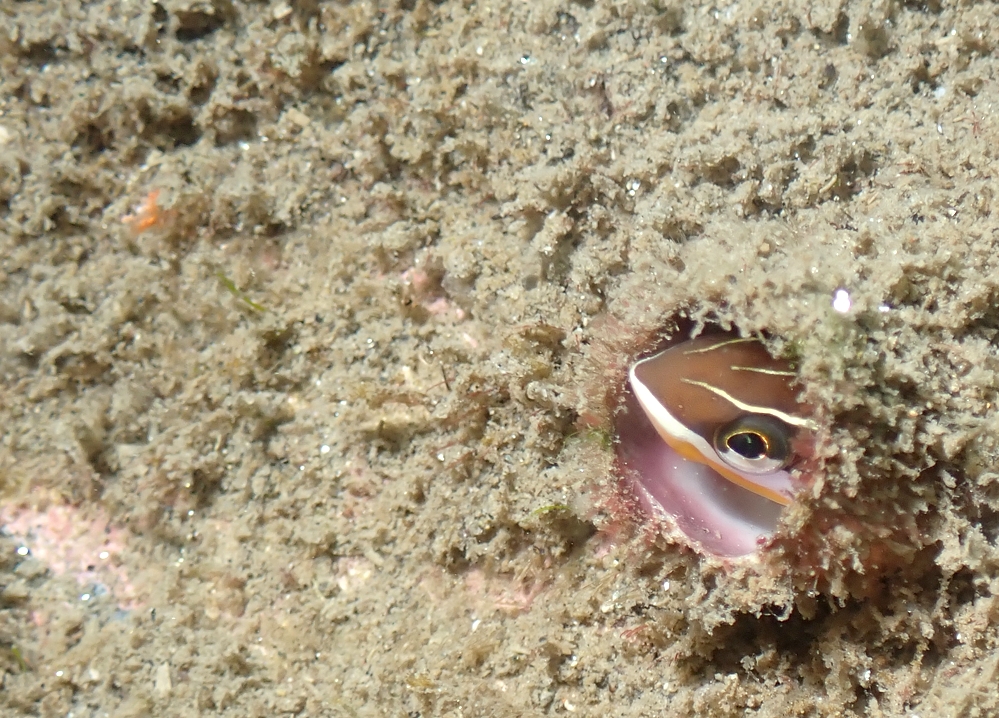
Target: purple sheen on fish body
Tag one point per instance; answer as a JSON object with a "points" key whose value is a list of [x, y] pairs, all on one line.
{"points": [[716, 515]]}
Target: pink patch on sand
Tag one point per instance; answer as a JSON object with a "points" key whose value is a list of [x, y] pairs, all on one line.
{"points": [[430, 295], [84, 545], [504, 593]]}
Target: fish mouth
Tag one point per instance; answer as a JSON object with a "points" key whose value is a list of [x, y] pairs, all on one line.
{"points": [[715, 515]]}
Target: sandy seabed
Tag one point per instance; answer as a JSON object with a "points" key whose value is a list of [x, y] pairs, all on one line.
{"points": [[312, 316]]}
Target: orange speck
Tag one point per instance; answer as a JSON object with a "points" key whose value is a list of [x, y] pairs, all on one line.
{"points": [[148, 214]]}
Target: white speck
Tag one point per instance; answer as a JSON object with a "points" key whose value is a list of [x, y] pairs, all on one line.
{"points": [[841, 301], [475, 624], [939, 128], [58, 674], [478, 51], [324, 449], [665, 585], [440, 457], [883, 308], [302, 467], [940, 92], [103, 555], [162, 684], [525, 59], [190, 512], [22, 551], [569, 706], [85, 597]]}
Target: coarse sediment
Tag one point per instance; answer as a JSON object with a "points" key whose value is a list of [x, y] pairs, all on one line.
{"points": [[347, 393]]}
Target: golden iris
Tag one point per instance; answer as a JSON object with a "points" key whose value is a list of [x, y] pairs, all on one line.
{"points": [[755, 443]]}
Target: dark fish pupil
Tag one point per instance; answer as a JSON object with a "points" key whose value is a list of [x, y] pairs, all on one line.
{"points": [[748, 444]]}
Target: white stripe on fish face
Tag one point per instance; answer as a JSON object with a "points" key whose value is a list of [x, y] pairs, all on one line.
{"points": [[751, 409]]}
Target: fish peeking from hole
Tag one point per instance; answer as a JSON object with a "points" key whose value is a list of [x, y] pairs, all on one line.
{"points": [[711, 434]]}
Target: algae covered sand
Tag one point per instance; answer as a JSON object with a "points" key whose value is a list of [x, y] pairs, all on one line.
{"points": [[312, 315]]}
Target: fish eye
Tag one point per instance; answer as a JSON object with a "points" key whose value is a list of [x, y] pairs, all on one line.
{"points": [[755, 443]]}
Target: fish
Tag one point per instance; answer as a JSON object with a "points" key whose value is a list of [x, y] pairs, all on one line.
{"points": [[713, 430]]}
